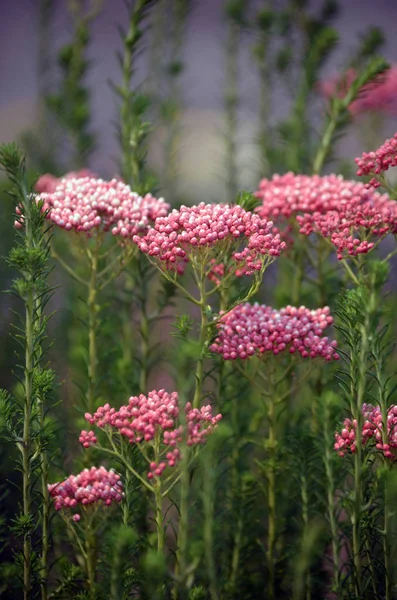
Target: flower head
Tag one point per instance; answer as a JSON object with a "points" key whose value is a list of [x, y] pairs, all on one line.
{"points": [[86, 204], [91, 486], [375, 163], [48, 183], [152, 418], [372, 431], [212, 231], [345, 212], [254, 329]]}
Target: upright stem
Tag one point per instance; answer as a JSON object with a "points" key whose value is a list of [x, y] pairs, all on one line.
{"points": [[159, 517], [131, 164], [208, 532], [27, 416], [271, 479], [90, 547], [305, 519], [231, 104], [181, 566], [202, 343], [45, 533], [92, 329], [331, 501], [326, 143], [356, 409]]}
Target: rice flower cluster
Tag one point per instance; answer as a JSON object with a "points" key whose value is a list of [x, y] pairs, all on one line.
{"points": [[379, 161], [345, 440], [87, 203], [379, 95], [211, 229], [255, 329], [94, 485], [345, 212], [151, 419], [48, 183]]}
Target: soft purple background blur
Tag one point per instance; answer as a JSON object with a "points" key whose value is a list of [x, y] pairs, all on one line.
{"points": [[201, 142]]}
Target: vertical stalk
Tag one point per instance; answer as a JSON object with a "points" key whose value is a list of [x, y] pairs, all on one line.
{"points": [[202, 342], [305, 519], [158, 502], [271, 477], [90, 549], [208, 533], [231, 104], [356, 410], [159, 517], [27, 416], [131, 164], [235, 496], [92, 328], [380, 374], [45, 533], [331, 501]]}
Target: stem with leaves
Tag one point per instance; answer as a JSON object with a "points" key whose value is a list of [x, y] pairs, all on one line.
{"points": [[30, 258]]}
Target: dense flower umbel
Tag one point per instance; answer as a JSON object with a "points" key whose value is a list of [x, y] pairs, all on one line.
{"points": [[88, 487], [375, 163], [380, 95], [343, 211], [151, 419], [252, 329], [186, 232], [48, 182], [371, 431], [86, 203]]}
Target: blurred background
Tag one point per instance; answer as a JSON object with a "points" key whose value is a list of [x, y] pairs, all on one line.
{"points": [[34, 32]]}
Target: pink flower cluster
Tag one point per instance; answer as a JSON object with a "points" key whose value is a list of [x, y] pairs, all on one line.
{"points": [[187, 231], [252, 329], [372, 430], [374, 163], [343, 211], [88, 487], [380, 95], [151, 418], [48, 183], [87, 203]]}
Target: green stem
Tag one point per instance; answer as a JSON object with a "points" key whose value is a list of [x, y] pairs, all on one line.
{"points": [[45, 533], [27, 416], [90, 547], [92, 330], [182, 558], [131, 165], [331, 500], [202, 344], [356, 409], [231, 105], [208, 532], [159, 516], [305, 519], [271, 476], [326, 143]]}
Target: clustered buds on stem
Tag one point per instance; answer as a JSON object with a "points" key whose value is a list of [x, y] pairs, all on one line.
{"points": [[211, 229], [251, 329], [372, 430], [87, 203], [91, 486], [151, 419], [345, 212], [378, 162]]}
